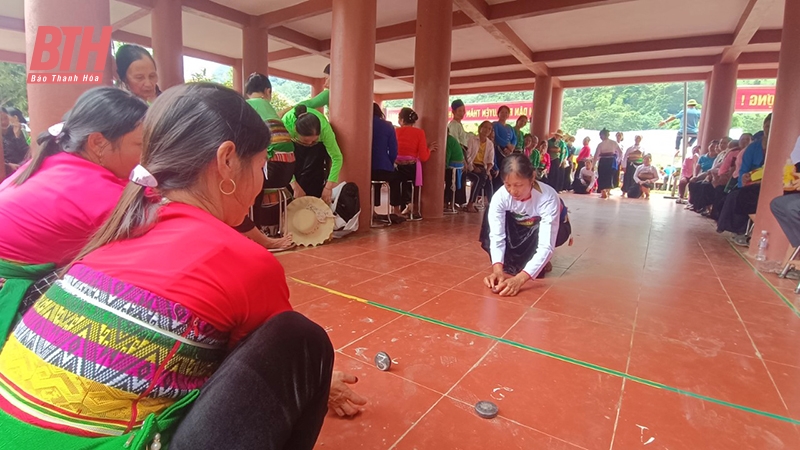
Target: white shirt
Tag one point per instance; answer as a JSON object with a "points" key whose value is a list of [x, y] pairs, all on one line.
{"points": [[456, 129], [587, 176], [650, 173], [544, 206], [608, 147]]}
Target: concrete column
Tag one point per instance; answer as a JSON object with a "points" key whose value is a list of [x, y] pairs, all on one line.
{"points": [[720, 102], [701, 128], [556, 108], [167, 30], [238, 79], [255, 48], [783, 134], [542, 96], [47, 103], [352, 80], [431, 94]]}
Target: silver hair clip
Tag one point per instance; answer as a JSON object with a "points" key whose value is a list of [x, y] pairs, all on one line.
{"points": [[55, 130], [143, 177]]}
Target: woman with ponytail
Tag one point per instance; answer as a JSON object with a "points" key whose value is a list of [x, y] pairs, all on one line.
{"points": [[521, 227], [52, 205], [319, 159], [170, 328], [412, 151]]}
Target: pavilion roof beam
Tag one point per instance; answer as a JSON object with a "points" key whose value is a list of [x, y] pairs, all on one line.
{"points": [[12, 24], [215, 11], [287, 53], [145, 4], [468, 65], [478, 11], [130, 18], [754, 14], [708, 41], [520, 9], [648, 64], [767, 37], [300, 11], [617, 81], [12, 57]]}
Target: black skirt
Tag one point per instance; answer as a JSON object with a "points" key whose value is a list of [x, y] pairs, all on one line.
{"points": [[606, 172], [312, 168]]}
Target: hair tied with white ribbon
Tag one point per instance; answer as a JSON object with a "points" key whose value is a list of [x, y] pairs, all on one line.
{"points": [[143, 177], [55, 130]]}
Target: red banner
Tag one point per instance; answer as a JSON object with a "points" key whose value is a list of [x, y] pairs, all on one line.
{"points": [[755, 98], [478, 112]]}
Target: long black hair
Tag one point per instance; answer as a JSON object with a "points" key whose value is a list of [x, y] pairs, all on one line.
{"points": [[408, 116], [377, 111], [257, 82], [183, 130], [307, 124], [109, 111], [518, 164], [126, 55]]}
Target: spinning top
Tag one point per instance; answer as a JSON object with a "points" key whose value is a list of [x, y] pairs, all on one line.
{"points": [[487, 410], [383, 362]]}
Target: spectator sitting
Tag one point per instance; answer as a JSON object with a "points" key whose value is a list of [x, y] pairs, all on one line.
{"points": [[586, 180], [644, 179], [530, 142], [520, 137], [15, 144], [384, 154], [412, 150], [454, 159], [479, 164], [743, 201]]}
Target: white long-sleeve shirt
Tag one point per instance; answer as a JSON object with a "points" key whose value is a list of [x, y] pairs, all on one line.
{"points": [[646, 173], [544, 206]]}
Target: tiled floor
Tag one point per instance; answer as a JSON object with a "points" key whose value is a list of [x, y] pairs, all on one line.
{"points": [[651, 332]]}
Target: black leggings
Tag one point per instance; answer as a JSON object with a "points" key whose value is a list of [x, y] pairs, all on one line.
{"points": [[271, 392]]}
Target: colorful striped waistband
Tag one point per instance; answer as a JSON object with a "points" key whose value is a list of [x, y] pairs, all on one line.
{"points": [[283, 157]]}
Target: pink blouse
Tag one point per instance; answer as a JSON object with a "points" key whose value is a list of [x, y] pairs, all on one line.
{"points": [[53, 214]]}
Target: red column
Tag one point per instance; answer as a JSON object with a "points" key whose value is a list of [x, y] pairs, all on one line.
{"points": [[783, 133], [238, 80], [352, 80], [556, 108], [720, 102], [167, 30], [542, 95], [431, 94], [701, 128], [254, 51], [47, 103]]}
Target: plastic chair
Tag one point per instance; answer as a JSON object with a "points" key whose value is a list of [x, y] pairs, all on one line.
{"points": [[372, 222]]}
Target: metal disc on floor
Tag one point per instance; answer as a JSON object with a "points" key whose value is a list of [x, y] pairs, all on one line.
{"points": [[487, 410], [382, 361]]}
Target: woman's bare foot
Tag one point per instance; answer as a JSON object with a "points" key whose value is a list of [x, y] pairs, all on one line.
{"points": [[471, 208]]}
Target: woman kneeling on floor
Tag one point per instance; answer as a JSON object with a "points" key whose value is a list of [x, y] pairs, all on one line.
{"points": [[644, 179], [158, 333], [520, 228]]}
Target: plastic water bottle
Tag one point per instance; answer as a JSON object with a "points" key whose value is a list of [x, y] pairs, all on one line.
{"points": [[762, 246]]}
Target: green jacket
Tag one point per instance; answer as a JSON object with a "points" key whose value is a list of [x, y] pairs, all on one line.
{"points": [[326, 136]]}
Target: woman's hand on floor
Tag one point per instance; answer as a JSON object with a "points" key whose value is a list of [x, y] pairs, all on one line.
{"points": [[280, 243], [511, 286], [343, 400], [497, 276]]}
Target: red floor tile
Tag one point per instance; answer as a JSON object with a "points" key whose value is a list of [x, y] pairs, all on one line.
{"points": [[345, 320], [601, 307], [588, 341], [706, 371], [297, 261], [694, 328], [454, 425], [378, 261], [569, 402], [657, 419], [300, 293], [777, 315], [686, 299], [486, 313], [334, 276], [396, 292], [418, 250], [442, 275], [428, 354], [469, 257], [786, 378], [394, 404], [780, 345]]}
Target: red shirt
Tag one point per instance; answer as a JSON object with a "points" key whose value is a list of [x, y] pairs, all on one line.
{"points": [[192, 258], [585, 153], [52, 215], [412, 142]]}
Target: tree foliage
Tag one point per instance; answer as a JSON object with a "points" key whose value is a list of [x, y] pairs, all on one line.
{"points": [[13, 87]]}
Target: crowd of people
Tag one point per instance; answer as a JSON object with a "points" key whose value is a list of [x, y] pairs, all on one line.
{"points": [[125, 234]]}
